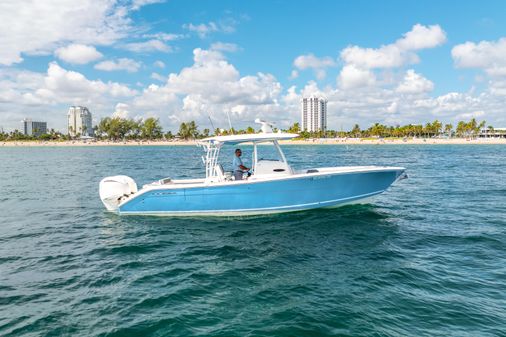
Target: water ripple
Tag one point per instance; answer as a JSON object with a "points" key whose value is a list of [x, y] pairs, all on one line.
{"points": [[426, 258]]}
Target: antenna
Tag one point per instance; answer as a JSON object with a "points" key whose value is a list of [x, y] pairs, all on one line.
{"points": [[210, 120], [229, 122]]}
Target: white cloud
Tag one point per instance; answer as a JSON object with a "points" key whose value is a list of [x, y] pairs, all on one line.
{"points": [[382, 103], [137, 4], [487, 55], [212, 85], [497, 87], [121, 110], [47, 96], [159, 64], [78, 54], [226, 47], [360, 63], [398, 53], [127, 64], [469, 115], [219, 82], [303, 62], [148, 46], [40, 27], [422, 37], [318, 65], [204, 29], [156, 99], [414, 83], [389, 56], [393, 108], [449, 103], [165, 36], [61, 85], [158, 77], [353, 77]]}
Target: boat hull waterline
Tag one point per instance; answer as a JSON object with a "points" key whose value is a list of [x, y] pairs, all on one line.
{"points": [[326, 188]]}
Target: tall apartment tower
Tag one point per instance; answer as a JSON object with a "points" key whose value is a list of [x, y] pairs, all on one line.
{"points": [[314, 114], [79, 121], [31, 128]]}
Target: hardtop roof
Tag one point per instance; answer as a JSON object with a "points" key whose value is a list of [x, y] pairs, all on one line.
{"points": [[245, 138]]}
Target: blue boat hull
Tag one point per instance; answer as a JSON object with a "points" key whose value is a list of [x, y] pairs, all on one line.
{"points": [[260, 197]]}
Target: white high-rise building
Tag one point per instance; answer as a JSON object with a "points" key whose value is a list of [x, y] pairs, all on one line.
{"points": [[79, 121], [314, 114]]}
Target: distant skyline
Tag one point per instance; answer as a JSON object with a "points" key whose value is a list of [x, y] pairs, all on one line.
{"points": [[393, 62]]}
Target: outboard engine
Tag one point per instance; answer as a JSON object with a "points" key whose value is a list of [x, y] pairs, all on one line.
{"points": [[115, 189]]}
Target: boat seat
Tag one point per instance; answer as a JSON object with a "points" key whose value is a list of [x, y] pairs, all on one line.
{"points": [[222, 174]]}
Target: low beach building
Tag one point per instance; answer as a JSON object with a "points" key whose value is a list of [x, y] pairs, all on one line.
{"points": [[493, 133], [31, 128]]}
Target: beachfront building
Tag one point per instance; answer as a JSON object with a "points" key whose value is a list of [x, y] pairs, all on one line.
{"points": [[493, 133], [313, 114], [31, 128], [79, 122]]}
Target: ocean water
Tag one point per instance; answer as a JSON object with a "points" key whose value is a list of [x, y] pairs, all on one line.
{"points": [[426, 258]]}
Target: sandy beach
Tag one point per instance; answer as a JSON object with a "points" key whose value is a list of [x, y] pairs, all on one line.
{"points": [[327, 141]]}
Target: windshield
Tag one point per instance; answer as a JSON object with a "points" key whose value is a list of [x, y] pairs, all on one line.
{"points": [[267, 151]]}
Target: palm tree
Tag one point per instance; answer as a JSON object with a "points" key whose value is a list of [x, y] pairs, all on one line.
{"points": [[356, 131], [188, 130], [169, 135], [448, 130], [193, 129], [436, 127], [295, 128], [183, 131], [103, 127], [461, 128], [490, 130], [480, 127], [150, 129]]}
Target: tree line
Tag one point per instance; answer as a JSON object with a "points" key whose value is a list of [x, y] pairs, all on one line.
{"points": [[463, 129], [18, 135], [116, 128], [121, 128]]}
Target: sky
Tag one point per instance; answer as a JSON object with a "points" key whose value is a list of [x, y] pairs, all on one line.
{"points": [[392, 62]]}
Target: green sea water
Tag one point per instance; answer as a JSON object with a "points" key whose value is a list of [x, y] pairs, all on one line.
{"points": [[426, 258]]}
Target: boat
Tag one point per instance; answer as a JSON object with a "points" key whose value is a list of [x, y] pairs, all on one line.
{"points": [[272, 185]]}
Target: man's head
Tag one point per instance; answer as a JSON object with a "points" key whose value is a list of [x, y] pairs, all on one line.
{"points": [[238, 152]]}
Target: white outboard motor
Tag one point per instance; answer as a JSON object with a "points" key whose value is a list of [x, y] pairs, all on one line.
{"points": [[115, 189]]}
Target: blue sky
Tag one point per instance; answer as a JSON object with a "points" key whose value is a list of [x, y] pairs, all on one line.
{"points": [[391, 62]]}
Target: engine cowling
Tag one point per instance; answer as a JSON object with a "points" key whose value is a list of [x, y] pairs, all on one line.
{"points": [[115, 189]]}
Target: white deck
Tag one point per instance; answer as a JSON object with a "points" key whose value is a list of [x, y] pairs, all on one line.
{"points": [[321, 171]]}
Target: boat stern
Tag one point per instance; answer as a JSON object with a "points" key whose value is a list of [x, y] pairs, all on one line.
{"points": [[114, 190]]}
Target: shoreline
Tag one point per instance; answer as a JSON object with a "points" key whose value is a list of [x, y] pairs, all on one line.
{"points": [[325, 141]]}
